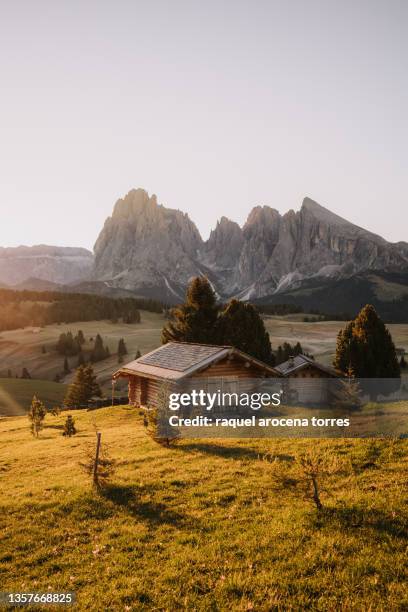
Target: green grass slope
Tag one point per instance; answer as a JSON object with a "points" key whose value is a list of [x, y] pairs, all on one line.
{"points": [[199, 526], [16, 394], [23, 347]]}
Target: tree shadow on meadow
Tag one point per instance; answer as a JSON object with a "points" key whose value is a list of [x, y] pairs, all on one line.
{"points": [[353, 518], [228, 452], [128, 497]]}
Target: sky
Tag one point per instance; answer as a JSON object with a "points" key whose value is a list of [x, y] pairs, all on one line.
{"points": [[214, 106]]}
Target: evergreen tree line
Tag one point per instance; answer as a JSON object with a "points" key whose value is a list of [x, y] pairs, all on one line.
{"points": [[22, 308], [200, 319], [285, 309], [278, 309], [287, 350], [69, 345], [364, 347]]}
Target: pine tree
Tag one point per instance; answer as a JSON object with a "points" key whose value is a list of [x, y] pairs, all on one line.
{"points": [[67, 345], [287, 350], [61, 344], [365, 345], [81, 359], [241, 326], [25, 374], [132, 316], [80, 337], [195, 320], [98, 351], [138, 354], [403, 363], [347, 394], [122, 350], [107, 351], [82, 388], [66, 366], [69, 427], [36, 415]]}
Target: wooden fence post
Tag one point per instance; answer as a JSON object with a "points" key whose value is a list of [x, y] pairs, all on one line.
{"points": [[98, 446]]}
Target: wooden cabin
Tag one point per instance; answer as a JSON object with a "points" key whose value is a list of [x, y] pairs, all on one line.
{"points": [[223, 368], [307, 379]]}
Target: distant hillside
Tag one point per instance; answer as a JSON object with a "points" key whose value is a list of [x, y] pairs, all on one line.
{"points": [[16, 394], [388, 293], [36, 308], [59, 265], [37, 284]]}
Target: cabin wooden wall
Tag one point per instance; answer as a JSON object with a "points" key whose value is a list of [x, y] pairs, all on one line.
{"points": [[151, 393], [230, 367], [310, 372], [133, 389], [307, 390], [226, 375]]}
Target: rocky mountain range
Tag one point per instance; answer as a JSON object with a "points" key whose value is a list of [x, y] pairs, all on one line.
{"points": [[149, 250], [154, 251], [49, 264]]}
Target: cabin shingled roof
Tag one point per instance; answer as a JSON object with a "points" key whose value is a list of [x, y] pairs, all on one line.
{"points": [[180, 356], [300, 361], [176, 360]]}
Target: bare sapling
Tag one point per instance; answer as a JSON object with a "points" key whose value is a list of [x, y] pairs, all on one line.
{"points": [[98, 464]]}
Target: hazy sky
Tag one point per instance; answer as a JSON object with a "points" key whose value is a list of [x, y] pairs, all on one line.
{"points": [[215, 106]]}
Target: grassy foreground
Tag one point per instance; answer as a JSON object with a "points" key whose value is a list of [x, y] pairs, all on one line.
{"points": [[199, 526]]}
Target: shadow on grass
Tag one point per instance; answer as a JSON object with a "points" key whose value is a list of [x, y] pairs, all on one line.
{"points": [[128, 497], [361, 518], [229, 452]]}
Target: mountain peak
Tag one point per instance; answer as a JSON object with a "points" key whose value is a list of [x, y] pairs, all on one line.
{"points": [[322, 214], [134, 201], [261, 215]]}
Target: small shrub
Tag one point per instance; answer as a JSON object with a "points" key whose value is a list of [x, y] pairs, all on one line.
{"points": [[36, 415], [98, 464], [308, 476], [151, 418], [69, 427]]}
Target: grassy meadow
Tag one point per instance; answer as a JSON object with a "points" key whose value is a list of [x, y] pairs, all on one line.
{"points": [[16, 394], [319, 338], [200, 526], [24, 348]]}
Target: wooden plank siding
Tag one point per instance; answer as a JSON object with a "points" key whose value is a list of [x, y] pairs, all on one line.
{"points": [[228, 375], [230, 367]]}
